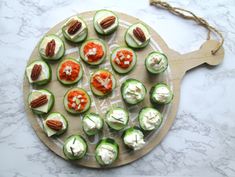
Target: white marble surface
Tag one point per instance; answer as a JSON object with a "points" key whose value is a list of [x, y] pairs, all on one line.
{"points": [[202, 139]]}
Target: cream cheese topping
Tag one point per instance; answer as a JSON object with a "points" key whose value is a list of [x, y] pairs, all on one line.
{"points": [[157, 62], [75, 148], [161, 94], [151, 119], [91, 123], [106, 154], [118, 117], [134, 91], [135, 140]]}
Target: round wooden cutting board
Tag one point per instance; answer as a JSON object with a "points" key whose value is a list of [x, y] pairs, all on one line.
{"points": [[178, 65]]}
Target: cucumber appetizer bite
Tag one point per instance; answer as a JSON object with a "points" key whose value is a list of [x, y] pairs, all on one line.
{"points": [[149, 119], [76, 101], [55, 124], [41, 101], [102, 82], [38, 72], [75, 29], [69, 71], [92, 123], [106, 151], [133, 91], [117, 118], [134, 138], [156, 62], [123, 60], [75, 147], [93, 51], [51, 48], [161, 94], [137, 36], [105, 22]]}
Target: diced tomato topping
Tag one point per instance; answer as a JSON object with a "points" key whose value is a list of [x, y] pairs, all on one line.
{"points": [[102, 81], [77, 100], [69, 70], [123, 58], [93, 51]]}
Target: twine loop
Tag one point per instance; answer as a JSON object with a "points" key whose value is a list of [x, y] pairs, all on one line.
{"points": [[186, 14]]}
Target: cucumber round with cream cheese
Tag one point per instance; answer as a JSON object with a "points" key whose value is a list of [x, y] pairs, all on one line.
{"points": [[106, 152], [75, 147], [133, 91], [161, 94]]}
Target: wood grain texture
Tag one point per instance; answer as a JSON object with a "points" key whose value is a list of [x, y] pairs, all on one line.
{"points": [[178, 65]]}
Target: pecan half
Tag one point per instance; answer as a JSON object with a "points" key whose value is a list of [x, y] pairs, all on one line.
{"points": [[74, 26], [50, 48], [139, 34], [54, 124], [41, 100], [36, 71], [107, 22]]}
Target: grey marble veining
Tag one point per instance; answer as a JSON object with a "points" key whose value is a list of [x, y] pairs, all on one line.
{"points": [[202, 139]]}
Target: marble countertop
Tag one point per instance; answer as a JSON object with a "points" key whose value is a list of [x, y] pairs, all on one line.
{"points": [[202, 139]]}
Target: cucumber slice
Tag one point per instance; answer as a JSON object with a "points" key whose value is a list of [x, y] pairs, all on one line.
{"points": [[161, 94], [106, 151], [134, 138], [133, 91], [117, 118], [55, 116], [73, 111], [156, 62], [129, 39], [75, 147], [44, 108], [101, 14], [77, 38], [59, 49], [97, 92], [45, 76], [65, 82], [150, 119], [92, 123], [96, 41], [116, 67]]}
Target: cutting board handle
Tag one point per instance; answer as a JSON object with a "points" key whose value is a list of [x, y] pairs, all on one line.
{"points": [[181, 63]]}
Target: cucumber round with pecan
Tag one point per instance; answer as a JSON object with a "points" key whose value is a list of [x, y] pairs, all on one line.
{"points": [[41, 101], [75, 29], [105, 22], [38, 73], [137, 36], [51, 48]]}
